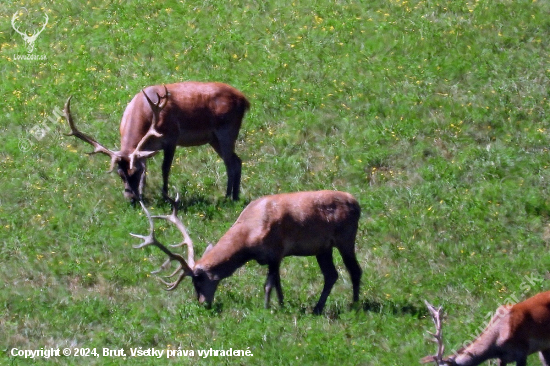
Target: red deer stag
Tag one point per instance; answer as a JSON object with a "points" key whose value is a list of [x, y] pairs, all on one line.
{"points": [[187, 114], [269, 229], [515, 332]]}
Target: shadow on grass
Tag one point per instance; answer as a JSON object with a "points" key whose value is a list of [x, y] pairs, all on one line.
{"points": [[373, 306], [191, 310], [334, 310], [394, 308], [186, 202], [193, 202]]}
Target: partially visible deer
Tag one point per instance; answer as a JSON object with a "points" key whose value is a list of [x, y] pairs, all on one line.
{"points": [[182, 114], [515, 332], [269, 229]]}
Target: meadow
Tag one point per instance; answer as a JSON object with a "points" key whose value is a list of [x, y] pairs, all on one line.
{"points": [[434, 114]]}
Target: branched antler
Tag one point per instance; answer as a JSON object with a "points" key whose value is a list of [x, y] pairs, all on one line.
{"points": [[173, 218], [156, 108], [184, 269], [438, 336], [98, 148]]}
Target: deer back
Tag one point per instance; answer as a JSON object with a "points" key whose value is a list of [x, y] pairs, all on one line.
{"points": [[530, 320], [192, 115], [273, 227]]}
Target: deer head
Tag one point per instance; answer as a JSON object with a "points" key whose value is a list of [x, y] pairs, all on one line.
{"points": [[204, 286], [130, 167], [29, 40]]}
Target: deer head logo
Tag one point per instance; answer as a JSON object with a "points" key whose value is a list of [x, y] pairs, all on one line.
{"points": [[29, 40]]}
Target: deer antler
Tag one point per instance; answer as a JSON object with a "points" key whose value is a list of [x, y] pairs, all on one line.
{"points": [[438, 336], [151, 240], [156, 108], [98, 148], [173, 218]]}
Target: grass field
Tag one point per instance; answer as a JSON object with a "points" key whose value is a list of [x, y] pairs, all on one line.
{"points": [[433, 114]]}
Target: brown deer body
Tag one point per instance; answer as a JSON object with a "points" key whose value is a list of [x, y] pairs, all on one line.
{"points": [[269, 229], [180, 114], [515, 332]]}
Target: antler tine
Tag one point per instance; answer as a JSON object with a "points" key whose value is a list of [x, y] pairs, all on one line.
{"points": [[149, 100], [98, 148], [172, 285], [150, 239], [173, 218], [438, 335], [173, 273], [174, 203], [165, 97], [156, 108], [164, 266], [162, 100]]}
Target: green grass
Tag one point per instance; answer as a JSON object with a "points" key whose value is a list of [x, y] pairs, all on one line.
{"points": [[433, 114]]}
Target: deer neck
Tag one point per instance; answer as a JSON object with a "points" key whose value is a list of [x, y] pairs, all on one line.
{"points": [[224, 258], [483, 347]]}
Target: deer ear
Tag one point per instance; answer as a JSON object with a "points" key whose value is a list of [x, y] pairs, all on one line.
{"points": [[208, 248]]}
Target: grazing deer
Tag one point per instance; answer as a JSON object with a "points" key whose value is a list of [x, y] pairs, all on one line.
{"points": [[515, 332], [187, 114], [269, 229]]}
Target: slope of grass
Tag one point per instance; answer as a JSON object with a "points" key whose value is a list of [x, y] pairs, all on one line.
{"points": [[434, 114]]}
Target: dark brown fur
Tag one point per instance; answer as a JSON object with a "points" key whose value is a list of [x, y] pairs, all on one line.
{"points": [[195, 113]]}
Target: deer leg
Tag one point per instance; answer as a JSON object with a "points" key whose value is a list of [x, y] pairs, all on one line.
{"points": [[224, 144], [236, 167], [545, 357], [166, 165], [273, 280], [233, 165], [519, 362], [350, 261], [330, 274]]}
